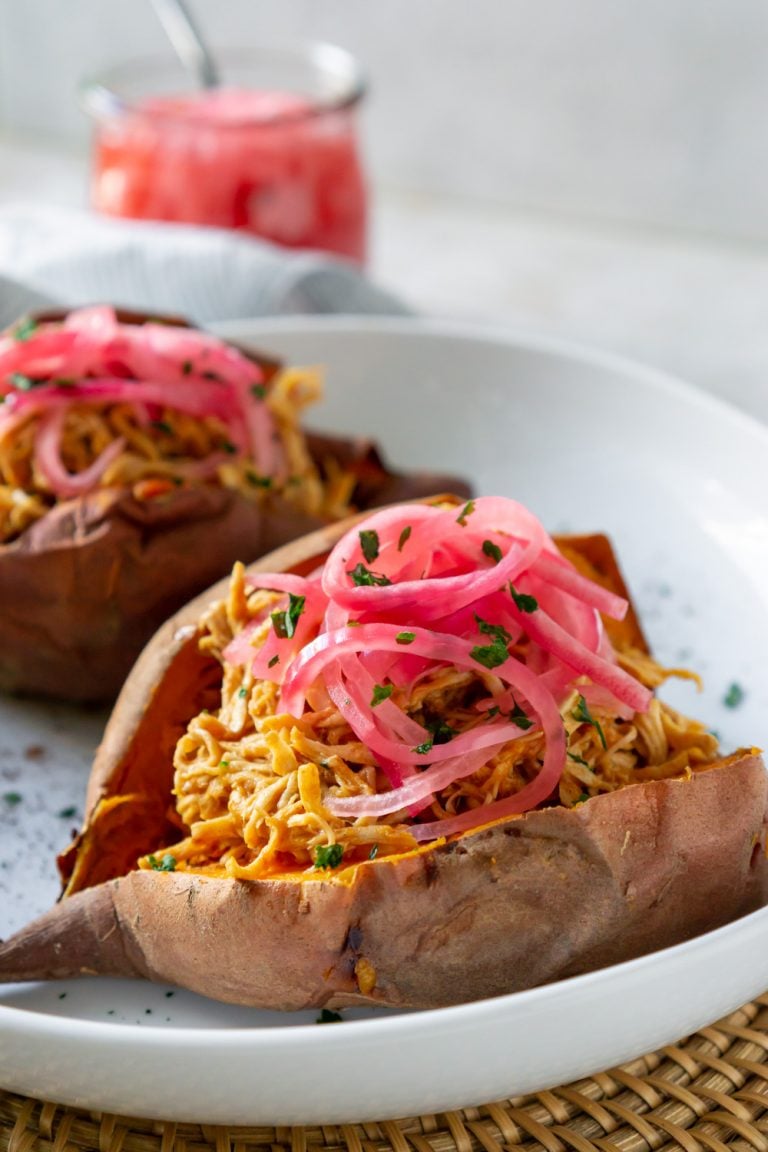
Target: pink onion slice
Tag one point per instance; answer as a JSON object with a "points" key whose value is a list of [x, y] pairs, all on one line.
{"points": [[417, 588], [63, 483]]}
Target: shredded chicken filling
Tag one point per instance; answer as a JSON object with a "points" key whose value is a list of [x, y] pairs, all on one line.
{"points": [[251, 782]]}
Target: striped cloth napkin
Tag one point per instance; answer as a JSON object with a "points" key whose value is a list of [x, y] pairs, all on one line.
{"points": [[52, 257]]}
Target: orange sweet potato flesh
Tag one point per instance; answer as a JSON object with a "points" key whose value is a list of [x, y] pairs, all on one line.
{"points": [[85, 587], [515, 904]]}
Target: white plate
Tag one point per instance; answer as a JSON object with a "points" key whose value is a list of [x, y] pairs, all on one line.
{"points": [[589, 442]]}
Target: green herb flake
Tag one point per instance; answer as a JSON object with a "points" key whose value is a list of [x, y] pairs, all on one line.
{"points": [[405, 638], [381, 692], [328, 855], [582, 798], [523, 602], [23, 383], [490, 655], [166, 864], [327, 1016], [498, 631], [578, 759], [242, 693], [67, 813], [405, 536], [582, 713], [373, 852], [12, 798], [229, 448], [492, 551], [256, 480], [285, 621], [273, 661], [362, 577], [466, 511], [425, 748], [259, 391], [519, 717], [223, 763], [442, 733], [369, 544], [163, 426], [734, 696], [24, 329]]}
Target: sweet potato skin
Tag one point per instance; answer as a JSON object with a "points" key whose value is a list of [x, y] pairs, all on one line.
{"points": [[512, 905], [85, 587], [516, 904]]}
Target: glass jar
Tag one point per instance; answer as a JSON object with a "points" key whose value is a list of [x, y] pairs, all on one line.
{"points": [[272, 150]]}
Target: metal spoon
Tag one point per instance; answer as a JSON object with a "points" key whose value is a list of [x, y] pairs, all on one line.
{"points": [[187, 41]]}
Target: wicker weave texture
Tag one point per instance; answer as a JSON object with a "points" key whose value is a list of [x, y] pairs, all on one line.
{"points": [[708, 1093]]}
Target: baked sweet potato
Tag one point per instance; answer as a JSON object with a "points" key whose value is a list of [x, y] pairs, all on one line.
{"points": [[574, 883], [86, 578]]}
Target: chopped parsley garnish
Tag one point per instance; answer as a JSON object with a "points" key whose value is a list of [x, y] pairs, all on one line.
{"points": [[223, 763], [67, 813], [328, 855], [442, 733], [242, 692], [582, 797], [327, 1016], [362, 577], [24, 329], [229, 447], [578, 759], [519, 717], [284, 623], [405, 638], [381, 692], [259, 391], [581, 712], [369, 544], [163, 426], [492, 550], [257, 480], [166, 864], [404, 537], [497, 630], [734, 696], [23, 383], [425, 748], [373, 852], [467, 510], [12, 798], [523, 602], [493, 654], [273, 661]]}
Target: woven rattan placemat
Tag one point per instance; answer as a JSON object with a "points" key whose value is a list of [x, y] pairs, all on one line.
{"points": [[707, 1093]]}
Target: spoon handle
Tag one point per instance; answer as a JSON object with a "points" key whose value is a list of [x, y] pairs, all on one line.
{"points": [[185, 37]]}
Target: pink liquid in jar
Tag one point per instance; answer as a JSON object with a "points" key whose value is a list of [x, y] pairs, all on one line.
{"points": [[270, 163]]}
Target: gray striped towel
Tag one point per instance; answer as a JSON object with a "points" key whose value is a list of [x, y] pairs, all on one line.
{"points": [[52, 256]]}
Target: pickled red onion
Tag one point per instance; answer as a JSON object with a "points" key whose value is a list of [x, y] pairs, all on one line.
{"points": [[101, 360], [415, 589], [49, 461]]}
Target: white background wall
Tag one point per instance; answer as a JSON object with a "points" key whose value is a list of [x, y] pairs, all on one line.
{"points": [[643, 112]]}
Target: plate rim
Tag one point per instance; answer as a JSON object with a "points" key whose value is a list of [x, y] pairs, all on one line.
{"points": [[259, 1039]]}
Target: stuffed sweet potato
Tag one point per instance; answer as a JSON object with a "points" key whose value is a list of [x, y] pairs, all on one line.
{"points": [[138, 460], [432, 770]]}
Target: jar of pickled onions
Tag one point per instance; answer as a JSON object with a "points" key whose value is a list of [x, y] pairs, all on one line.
{"points": [[272, 150]]}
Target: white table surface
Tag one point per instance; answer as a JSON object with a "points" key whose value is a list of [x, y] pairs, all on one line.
{"points": [[692, 304]]}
